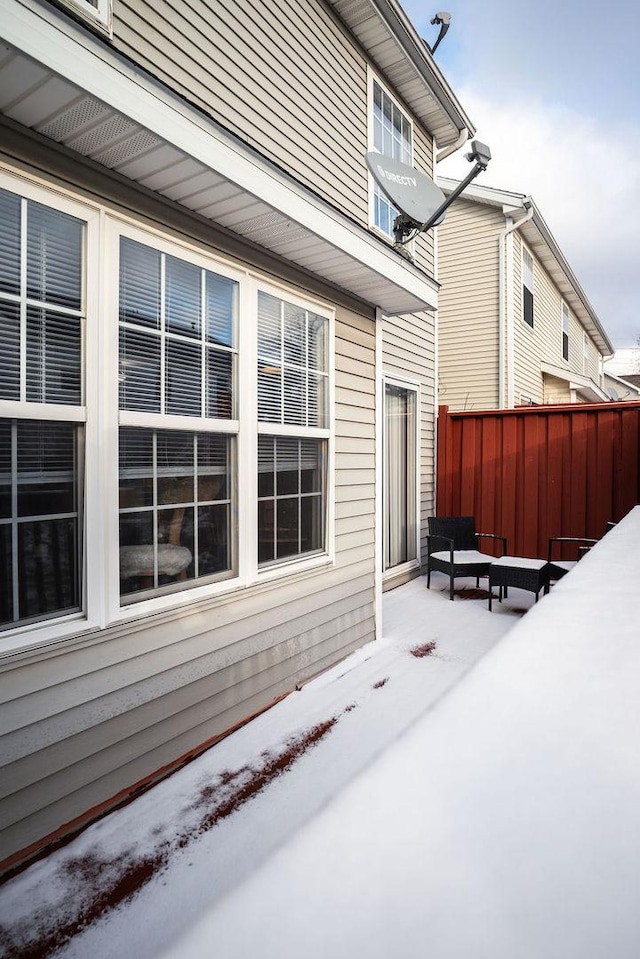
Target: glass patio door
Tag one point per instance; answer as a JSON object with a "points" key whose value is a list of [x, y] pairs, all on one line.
{"points": [[400, 475]]}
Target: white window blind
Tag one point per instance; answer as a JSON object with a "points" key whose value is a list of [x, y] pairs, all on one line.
{"points": [[292, 364], [177, 335]]}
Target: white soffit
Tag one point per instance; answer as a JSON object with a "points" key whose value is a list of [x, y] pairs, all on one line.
{"points": [[393, 44], [58, 80]]}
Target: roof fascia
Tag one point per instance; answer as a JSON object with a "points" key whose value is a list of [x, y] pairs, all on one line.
{"points": [[414, 47]]}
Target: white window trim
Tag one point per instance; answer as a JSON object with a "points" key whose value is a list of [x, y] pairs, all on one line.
{"points": [[327, 557], [373, 77], [99, 16], [89, 617], [524, 249], [118, 611], [415, 387], [101, 590]]}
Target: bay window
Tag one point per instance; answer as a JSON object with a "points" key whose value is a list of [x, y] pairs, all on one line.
{"points": [[121, 433]]}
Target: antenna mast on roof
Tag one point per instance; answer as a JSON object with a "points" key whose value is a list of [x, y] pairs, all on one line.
{"points": [[444, 19]]}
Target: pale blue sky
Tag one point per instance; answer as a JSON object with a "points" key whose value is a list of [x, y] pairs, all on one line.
{"points": [[554, 89]]}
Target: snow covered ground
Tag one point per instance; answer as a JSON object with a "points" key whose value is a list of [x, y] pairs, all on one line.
{"points": [[139, 879]]}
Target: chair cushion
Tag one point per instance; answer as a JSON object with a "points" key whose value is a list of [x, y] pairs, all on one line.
{"points": [[565, 564], [462, 557]]}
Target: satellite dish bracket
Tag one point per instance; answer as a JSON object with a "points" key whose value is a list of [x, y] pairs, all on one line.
{"points": [[406, 229]]}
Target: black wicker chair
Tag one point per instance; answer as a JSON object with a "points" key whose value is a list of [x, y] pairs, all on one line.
{"points": [[560, 567], [452, 548]]}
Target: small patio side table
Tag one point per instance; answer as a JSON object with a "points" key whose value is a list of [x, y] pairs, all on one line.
{"points": [[520, 572]]}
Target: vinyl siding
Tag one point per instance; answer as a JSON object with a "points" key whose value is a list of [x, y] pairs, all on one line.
{"points": [[544, 342], [408, 353], [468, 338], [298, 95], [88, 718]]}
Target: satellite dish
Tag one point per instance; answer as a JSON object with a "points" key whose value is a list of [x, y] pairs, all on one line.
{"points": [[412, 192], [613, 393]]}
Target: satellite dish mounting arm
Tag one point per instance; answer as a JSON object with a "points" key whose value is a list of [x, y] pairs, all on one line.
{"points": [[405, 229]]}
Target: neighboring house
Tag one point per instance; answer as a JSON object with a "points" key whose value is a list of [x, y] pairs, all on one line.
{"points": [[204, 324], [514, 325], [621, 387]]}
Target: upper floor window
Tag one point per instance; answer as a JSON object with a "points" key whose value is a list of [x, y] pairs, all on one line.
{"points": [[97, 13], [527, 287], [565, 331], [391, 135], [587, 352]]}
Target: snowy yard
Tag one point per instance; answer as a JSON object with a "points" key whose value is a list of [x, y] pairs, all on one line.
{"points": [[140, 878]]}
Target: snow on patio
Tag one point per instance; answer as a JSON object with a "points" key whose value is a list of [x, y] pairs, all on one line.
{"points": [[134, 881]]}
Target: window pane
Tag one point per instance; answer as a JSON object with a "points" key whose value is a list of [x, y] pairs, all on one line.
{"points": [[139, 371], [266, 465], [176, 467], [184, 379], [213, 468], [318, 401], [9, 242], [288, 350], [53, 357], [266, 531], [182, 297], [6, 580], [39, 526], [318, 343], [311, 523], [5, 469], [47, 567], [54, 257], [213, 539], [219, 384], [10, 355], [295, 335], [287, 463], [220, 306], [288, 528], [269, 393], [295, 392], [46, 478], [136, 468], [137, 555], [269, 327], [139, 284], [184, 535], [310, 466], [291, 518]]}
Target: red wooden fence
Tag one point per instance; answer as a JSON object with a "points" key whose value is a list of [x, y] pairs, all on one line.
{"points": [[539, 471]]}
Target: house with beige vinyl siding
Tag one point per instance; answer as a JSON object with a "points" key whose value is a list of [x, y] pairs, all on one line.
{"points": [[217, 384], [514, 324]]}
